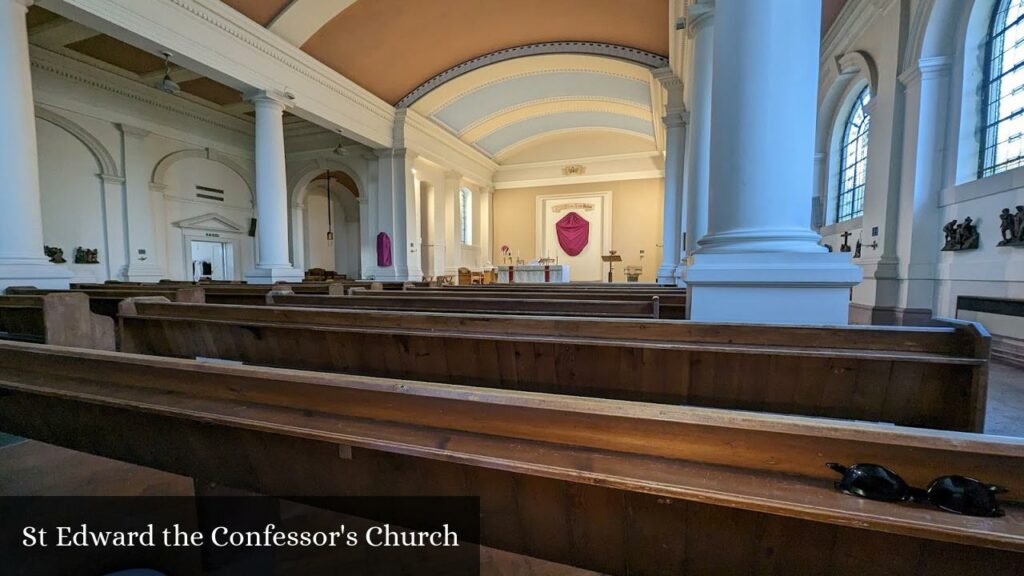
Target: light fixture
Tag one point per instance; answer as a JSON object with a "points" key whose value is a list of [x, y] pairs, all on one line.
{"points": [[340, 150], [330, 227], [166, 84]]}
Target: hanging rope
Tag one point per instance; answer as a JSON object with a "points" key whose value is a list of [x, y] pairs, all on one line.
{"points": [[330, 208]]}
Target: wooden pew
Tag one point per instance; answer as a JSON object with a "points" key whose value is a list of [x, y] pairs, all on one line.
{"points": [[392, 300], [616, 487], [63, 319], [104, 300], [926, 377], [672, 304]]}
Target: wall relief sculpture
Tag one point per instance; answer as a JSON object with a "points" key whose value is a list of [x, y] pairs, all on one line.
{"points": [[962, 236], [1011, 227], [87, 255], [56, 255]]}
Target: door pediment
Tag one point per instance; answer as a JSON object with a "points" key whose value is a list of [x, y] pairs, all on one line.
{"points": [[212, 222]]}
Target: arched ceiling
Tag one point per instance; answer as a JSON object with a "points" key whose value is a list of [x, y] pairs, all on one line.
{"points": [[503, 107], [390, 47]]}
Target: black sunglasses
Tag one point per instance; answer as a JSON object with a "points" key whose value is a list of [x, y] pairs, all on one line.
{"points": [[958, 494]]}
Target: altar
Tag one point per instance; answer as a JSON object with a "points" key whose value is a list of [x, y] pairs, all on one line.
{"points": [[533, 273]]}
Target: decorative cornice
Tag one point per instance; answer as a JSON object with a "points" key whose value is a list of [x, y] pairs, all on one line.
{"points": [[634, 55], [269, 98], [64, 67]]}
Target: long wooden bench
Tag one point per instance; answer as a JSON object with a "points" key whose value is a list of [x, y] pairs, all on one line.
{"points": [[616, 487], [672, 304], [926, 377], [62, 319], [392, 300], [104, 301]]}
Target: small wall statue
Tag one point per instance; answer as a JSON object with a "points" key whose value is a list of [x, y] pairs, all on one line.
{"points": [[56, 255], [962, 236], [1011, 227], [87, 256]]}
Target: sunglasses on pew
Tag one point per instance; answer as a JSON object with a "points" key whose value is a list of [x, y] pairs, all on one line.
{"points": [[958, 494]]}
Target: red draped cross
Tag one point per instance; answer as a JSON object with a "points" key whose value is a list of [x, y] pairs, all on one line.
{"points": [[573, 233]]}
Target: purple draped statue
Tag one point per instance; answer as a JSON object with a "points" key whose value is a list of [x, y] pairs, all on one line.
{"points": [[383, 249], [573, 233]]}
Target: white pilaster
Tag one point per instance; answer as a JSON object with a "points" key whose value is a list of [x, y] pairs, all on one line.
{"points": [[22, 262], [271, 194], [453, 246], [675, 120], [395, 214], [760, 261], [700, 27], [143, 256], [485, 219]]}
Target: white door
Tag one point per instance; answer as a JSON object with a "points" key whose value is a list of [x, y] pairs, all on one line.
{"points": [[213, 260], [585, 266]]}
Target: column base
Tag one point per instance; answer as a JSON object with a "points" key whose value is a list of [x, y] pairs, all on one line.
{"points": [[40, 273], [271, 275], [771, 288], [667, 275], [143, 273]]}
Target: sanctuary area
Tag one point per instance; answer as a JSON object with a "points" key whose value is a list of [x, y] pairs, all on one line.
{"points": [[512, 287]]}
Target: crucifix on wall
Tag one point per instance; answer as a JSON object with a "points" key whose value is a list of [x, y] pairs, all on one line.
{"points": [[846, 241]]}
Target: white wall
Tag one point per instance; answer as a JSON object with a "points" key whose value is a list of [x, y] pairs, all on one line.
{"points": [[922, 158]]}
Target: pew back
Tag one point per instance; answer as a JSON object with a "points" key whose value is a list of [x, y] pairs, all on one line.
{"points": [[391, 300], [63, 319], [679, 474], [927, 377]]}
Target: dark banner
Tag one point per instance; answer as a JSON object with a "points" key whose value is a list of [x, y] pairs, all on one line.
{"points": [[227, 536]]}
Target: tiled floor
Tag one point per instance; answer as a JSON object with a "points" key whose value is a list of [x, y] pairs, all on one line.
{"points": [[1005, 414]]}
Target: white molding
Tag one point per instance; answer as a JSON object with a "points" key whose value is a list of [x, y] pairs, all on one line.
{"points": [[301, 19], [633, 55], [853, 20], [199, 223], [108, 167], [71, 69], [569, 180], [217, 41], [429, 140], [582, 160]]}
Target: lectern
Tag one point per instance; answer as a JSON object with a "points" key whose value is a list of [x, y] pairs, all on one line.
{"points": [[610, 258]]}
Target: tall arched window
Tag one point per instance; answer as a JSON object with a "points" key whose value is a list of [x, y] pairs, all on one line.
{"points": [[853, 159], [1003, 94], [466, 216]]}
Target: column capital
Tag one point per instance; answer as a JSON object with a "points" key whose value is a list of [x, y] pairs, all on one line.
{"points": [[134, 131], [269, 99], [699, 16]]}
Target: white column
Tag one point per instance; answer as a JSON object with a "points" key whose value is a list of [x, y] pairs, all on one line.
{"points": [[271, 194], [700, 27], [760, 261], [22, 262], [675, 120]]}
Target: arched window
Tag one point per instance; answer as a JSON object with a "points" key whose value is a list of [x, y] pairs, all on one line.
{"points": [[466, 216], [1003, 91], [853, 159]]}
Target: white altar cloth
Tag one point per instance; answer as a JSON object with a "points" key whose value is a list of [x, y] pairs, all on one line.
{"points": [[533, 273]]}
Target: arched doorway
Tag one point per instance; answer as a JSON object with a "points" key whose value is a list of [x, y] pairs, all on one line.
{"points": [[330, 220]]}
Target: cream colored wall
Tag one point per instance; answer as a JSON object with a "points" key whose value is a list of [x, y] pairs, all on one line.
{"points": [[636, 221]]}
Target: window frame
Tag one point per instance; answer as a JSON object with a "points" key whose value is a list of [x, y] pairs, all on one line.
{"points": [[861, 163], [989, 128], [466, 216]]}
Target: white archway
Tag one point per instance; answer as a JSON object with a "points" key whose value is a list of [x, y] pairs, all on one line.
{"points": [[349, 212], [158, 179]]}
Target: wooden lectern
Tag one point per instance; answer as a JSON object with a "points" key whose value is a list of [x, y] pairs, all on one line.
{"points": [[610, 258]]}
